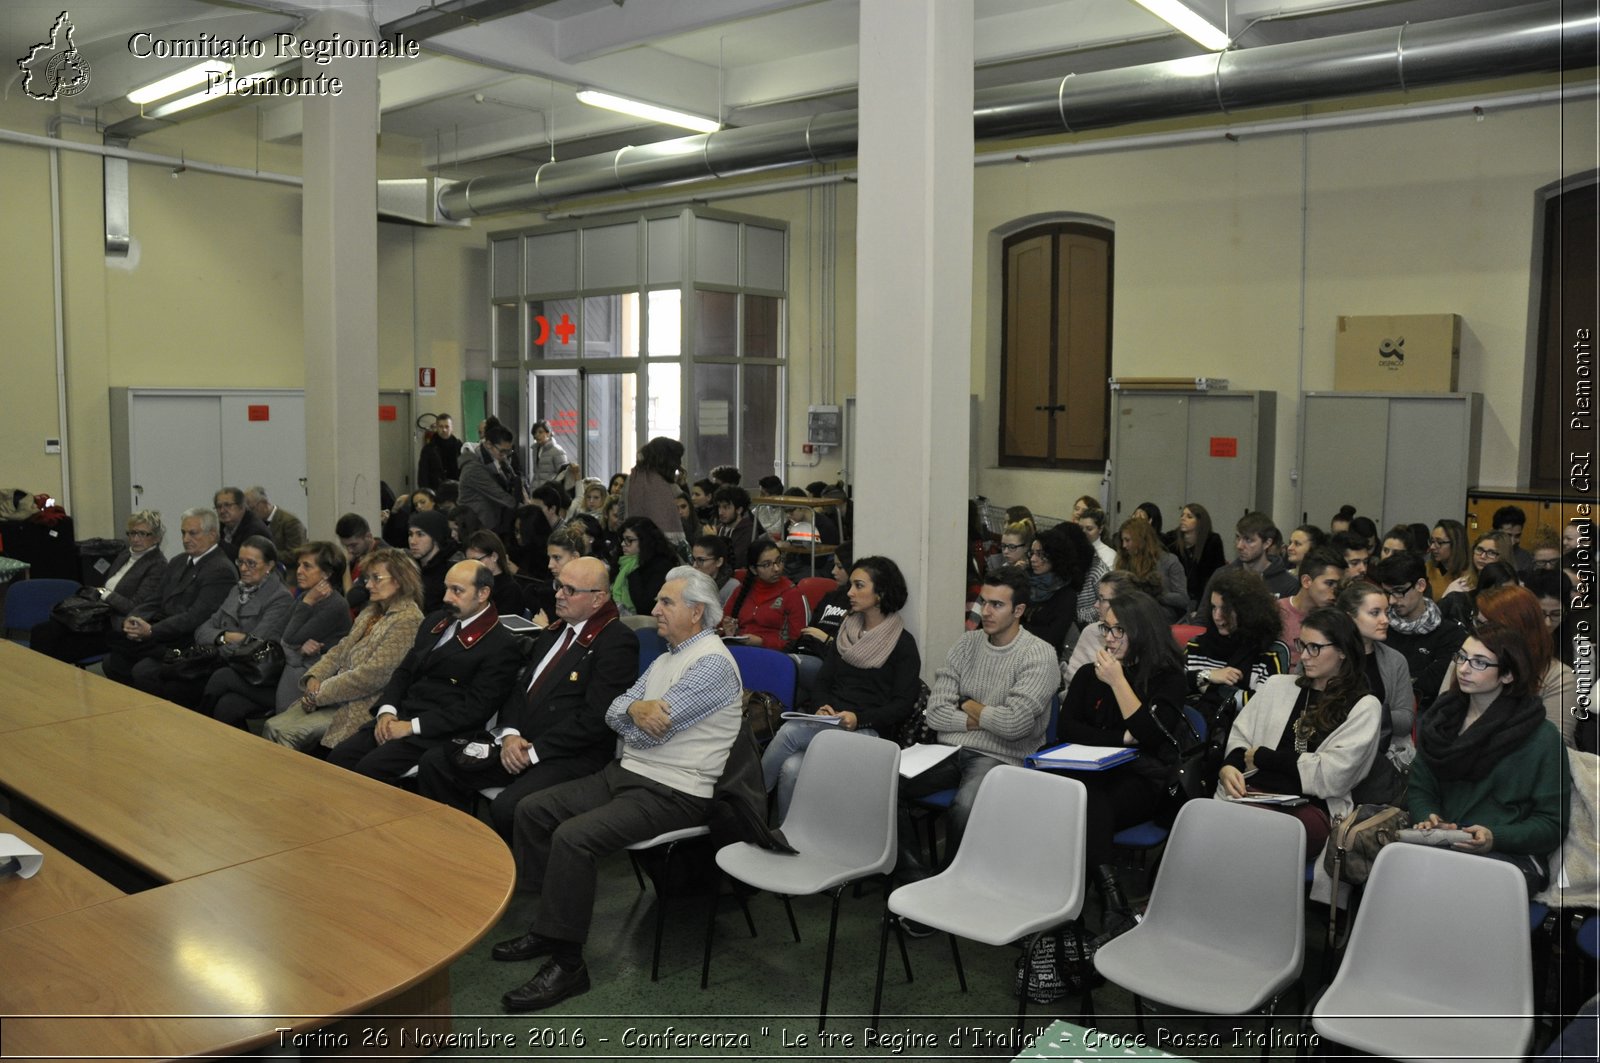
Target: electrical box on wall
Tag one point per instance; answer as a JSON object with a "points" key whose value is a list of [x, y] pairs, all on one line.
{"points": [[824, 427]]}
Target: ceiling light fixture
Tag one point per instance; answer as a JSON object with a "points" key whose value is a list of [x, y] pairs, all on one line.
{"points": [[1188, 22], [183, 79], [648, 111]]}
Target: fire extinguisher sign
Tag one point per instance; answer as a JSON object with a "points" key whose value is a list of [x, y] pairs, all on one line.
{"points": [[427, 380]]}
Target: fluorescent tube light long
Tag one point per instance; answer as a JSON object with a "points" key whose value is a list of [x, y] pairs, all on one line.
{"points": [[648, 111], [183, 79], [1187, 22]]}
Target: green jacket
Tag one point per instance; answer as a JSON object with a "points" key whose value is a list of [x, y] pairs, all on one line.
{"points": [[1523, 800]]}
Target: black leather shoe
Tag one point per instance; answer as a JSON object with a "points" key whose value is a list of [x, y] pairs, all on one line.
{"points": [[550, 986], [525, 947]]}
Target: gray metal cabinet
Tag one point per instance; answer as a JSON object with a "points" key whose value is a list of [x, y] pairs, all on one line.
{"points": [[1398, 458], [1211, 447]]}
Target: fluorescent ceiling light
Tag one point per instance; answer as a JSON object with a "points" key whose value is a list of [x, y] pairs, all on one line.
{"points": [[1187, 22], [183, 79], [647, 111]]}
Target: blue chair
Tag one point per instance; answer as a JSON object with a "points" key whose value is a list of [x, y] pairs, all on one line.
{"points": [[766, 670], [1143, 837], [29, 603], [651, 646]]}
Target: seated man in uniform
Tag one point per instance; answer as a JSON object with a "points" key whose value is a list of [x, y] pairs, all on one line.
{"points": [[552, 728], [678, 722]]}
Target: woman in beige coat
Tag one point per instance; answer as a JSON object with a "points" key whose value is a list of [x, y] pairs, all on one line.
{"points": [[339, 690]]}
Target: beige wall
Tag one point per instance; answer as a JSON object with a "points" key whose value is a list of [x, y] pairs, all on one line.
{"points": [[1423, 217]]}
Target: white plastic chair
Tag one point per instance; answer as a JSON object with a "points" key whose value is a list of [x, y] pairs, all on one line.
{"points": [[1019, 871], [842, 826], [1439, 964], [1224, 933]]}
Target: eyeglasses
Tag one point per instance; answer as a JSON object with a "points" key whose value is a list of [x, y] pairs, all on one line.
{"points": [[773, 563], [378, 577], [630, 540], [1310, 649], [1547, 565], [1485, 551], [1113, 631], [1396, 593], [136, 533], [1439, 542], [1008, 547], [698, 560], [246, 563], [569, 590], [1553, 615], [1477, 664]]}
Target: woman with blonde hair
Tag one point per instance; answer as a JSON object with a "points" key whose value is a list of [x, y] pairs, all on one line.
{"points": [[1487, 548], [341, 689]]}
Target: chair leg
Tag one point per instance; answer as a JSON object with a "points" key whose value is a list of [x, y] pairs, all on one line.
{"points": [[1138, 1014], [900, 936], [827, 964], [744, 906], [1022, 990], [883, 951], [794, 927], [1266, 1029], [711, 928], [955, 954], [637, 874], [1082, 969]]}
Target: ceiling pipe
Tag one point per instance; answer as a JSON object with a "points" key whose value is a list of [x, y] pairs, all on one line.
{"points": [[1537, 38]]}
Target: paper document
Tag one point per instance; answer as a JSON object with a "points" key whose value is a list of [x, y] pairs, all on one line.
{"points": [[1253, 798], [820, 721], [27, 859], [919, 758]]}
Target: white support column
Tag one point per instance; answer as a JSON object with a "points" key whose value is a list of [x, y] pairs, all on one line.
{"points": [[913, 304], [339, 227]]}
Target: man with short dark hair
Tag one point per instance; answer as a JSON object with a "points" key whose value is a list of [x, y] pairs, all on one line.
{"points": [[991, 699], [1424, 636], [1511, 520], [726, 476], [440, 459], [490, 487], [1356, 552], [552, 727], [548, 459], [194, 586], [355, 535], [235, 522], [284, 528], [678, 723], [459, 671], [1321, 573]]}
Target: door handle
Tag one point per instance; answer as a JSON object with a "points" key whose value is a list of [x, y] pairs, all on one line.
{"points": [[1057, 408]]}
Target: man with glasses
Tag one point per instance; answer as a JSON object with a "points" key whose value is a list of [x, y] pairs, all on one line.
{"points": [[490, 487], [1423, 635], [459, 671], [235, 522], [552, 726], [991, 700], [677, 722]]}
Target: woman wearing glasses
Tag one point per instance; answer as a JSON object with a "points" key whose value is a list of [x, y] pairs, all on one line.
{"points": [[1062, 572], [643, 561], [768, 610], [1448, 556], [339, 691], [1488, 761], [1014, 544], [1313, 736], [1132, 696], [1486, 550], [712, 555], [135, 580]]}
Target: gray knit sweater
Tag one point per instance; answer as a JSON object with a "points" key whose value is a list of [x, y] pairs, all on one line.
{"points": [[1014, 682]]}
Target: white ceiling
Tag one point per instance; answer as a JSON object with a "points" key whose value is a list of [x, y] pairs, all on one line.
{"points": [[497, 93]]}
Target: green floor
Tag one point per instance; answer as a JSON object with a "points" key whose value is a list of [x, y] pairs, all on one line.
{"points": [[764, 992]]}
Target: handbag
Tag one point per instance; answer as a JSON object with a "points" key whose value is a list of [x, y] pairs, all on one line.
{"points": [[764, 713], [1355, 839], [1186, 776], [189, 664], [914, 729], [259, 662], [82, 612]]}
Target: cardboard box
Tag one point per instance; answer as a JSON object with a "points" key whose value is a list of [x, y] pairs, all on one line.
{"points": [[1407, 352]]}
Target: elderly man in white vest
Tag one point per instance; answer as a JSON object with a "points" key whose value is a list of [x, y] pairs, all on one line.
{"points": [[677, 722]]}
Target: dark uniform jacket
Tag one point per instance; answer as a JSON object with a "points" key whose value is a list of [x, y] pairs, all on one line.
{"points": [[454, 689]]}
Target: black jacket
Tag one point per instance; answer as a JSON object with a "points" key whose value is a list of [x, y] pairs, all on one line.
{"points": [[454, 689], [1428, 657], [189, 595], [141, 585], [567, 717], [249, 525], [644, 582]]}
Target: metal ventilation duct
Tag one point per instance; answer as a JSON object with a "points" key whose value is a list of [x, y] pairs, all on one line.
{"points": [[1532, 39]]}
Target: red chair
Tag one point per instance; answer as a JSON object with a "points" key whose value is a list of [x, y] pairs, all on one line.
{"points": [[813, 589], [1185, 633]]}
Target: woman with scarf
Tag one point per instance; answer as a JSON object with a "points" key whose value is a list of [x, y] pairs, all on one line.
{"points": [[1550, 678], [1488, 762], [1062, 566], [1314, 735], [1240, 648], [870, 675], [642, 566]]}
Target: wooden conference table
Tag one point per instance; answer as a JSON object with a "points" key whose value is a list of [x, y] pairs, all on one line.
{"points": [[290, 893]]}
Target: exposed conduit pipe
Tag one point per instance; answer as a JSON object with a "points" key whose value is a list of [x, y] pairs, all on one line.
{"points": [[11, 136], [1537, 38]]}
